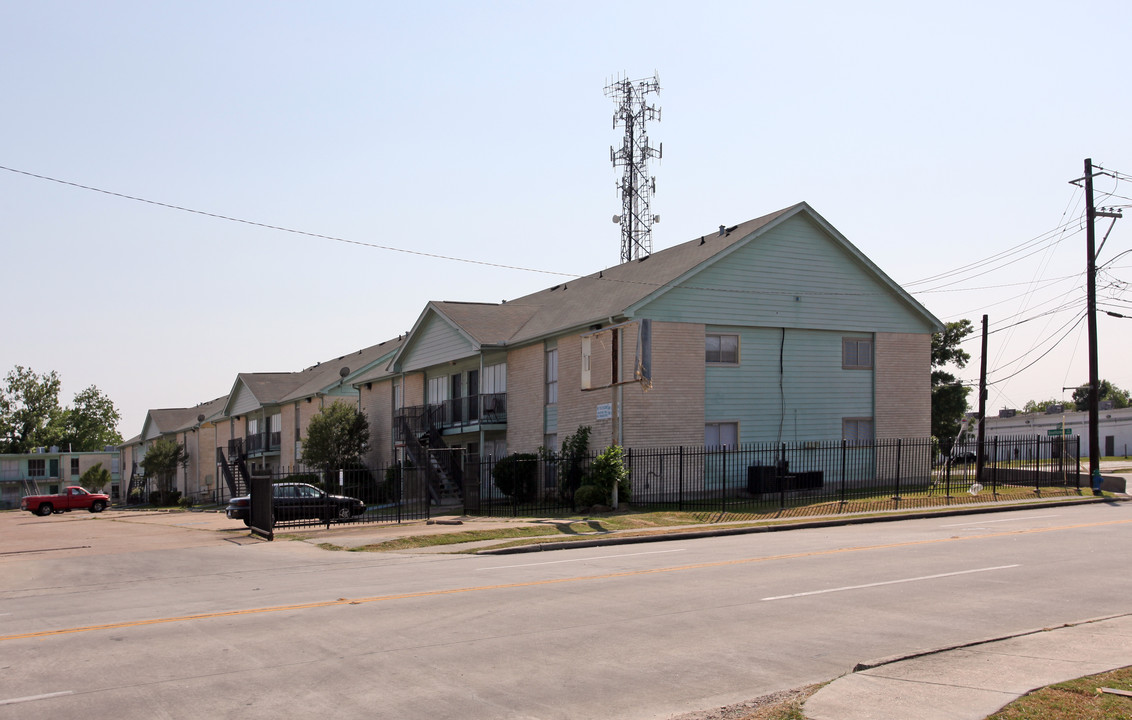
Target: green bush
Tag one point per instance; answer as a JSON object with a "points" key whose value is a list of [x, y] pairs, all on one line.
{"points": [[608, 470], [571, 463], [136, 496], [588, 496], [186, 502], [308, 478], [516, 476], [164, 499]]}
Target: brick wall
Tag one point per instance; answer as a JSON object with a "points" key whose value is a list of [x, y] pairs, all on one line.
{"points": [[672, 411], [903, 385], [526, 398], [377, 404]]}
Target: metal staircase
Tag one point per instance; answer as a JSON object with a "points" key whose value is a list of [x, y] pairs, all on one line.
{"points": [[426, 448]]}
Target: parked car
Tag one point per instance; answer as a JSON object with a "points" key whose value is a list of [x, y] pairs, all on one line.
{"points": [[299, 501], [72, 498]]}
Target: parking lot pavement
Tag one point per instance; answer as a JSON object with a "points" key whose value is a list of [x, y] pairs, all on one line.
{"points": [[81, 533]]}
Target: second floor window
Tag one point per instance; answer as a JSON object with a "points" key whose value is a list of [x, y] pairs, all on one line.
{"points": [[37, 468], [721, 349], [856, 353], [552, 376]]}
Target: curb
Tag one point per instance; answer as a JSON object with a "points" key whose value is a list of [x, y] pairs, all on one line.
{"points": [[806, 525], [880, 662]]}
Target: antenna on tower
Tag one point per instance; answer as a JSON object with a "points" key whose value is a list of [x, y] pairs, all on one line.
{"points": [[636, 185]]}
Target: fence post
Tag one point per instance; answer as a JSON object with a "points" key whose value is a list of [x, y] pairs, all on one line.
{"points": [[723, 485], [844, 469], [898, 449], [630, 452], [994, 466], [781, 468], [680, 483]]}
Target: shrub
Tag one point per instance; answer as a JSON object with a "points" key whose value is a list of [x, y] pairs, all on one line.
{"points": [[164, 499], [589, 495], [135, 497], [186, 502], [608, 470], [516, 476], [571, 462]]}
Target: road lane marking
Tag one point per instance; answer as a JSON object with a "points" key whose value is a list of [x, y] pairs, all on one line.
{"points": [[30, 698], [585, 559], [543, 583], [988, 522], [888, 582]]}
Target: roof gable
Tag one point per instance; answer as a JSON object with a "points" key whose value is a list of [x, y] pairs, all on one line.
{"points": [[797, 271]]}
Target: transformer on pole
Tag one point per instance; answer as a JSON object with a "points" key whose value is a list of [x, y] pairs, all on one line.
{"points": [[636, 185]]}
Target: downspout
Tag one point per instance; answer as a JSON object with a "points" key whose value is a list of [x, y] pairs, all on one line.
{"points": [[479, 413]]}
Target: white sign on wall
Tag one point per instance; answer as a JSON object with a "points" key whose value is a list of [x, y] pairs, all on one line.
{"points": [[605, 411]]}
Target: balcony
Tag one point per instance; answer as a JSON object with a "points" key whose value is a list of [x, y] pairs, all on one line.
{"points": [[457, 414], [256, 444]]}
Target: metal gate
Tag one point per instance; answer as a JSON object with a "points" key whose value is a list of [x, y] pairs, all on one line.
{"points": [[261, 514]]}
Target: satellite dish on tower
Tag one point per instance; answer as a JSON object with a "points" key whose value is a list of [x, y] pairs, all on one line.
{"points": [[616, 219]]}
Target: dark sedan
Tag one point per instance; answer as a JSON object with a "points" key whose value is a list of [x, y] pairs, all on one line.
{"points": [[299, 501]]}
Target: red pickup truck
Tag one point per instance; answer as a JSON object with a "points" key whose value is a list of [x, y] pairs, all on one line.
{"points": [[72, 498]]}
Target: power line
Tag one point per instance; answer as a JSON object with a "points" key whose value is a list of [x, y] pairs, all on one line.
{"points": [[280, 228]]}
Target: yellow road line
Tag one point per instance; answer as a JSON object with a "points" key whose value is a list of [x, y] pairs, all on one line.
{"points": [[537, 583]]}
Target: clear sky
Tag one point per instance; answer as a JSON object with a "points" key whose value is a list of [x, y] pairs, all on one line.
{"points": [[935, 136]]}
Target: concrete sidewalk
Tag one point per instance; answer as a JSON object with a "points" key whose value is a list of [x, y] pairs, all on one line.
{"points": [[973, 681]]}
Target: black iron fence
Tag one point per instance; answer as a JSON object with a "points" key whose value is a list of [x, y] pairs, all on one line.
{"points": [[386, 494], [760, 478]]}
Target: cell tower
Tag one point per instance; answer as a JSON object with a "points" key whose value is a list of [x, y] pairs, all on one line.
{"points": [[636, 185]]}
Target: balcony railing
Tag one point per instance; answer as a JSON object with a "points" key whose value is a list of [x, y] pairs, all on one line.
{"points": [[257, 443], [474, 410]]}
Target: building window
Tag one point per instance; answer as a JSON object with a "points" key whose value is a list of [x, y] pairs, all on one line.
{"points": [[856, 354], [438, 390], [552, 376], [721, 434], [74, 466], [37, 468], [857, 431], [495, 379], [721, 349]]}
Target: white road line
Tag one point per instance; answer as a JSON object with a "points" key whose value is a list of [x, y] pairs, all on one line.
{"points": [[890, 582], [30, 698], [988, 522], [598, 557]]}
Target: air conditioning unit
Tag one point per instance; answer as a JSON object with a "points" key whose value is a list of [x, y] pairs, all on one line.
{"points": [[1007, 413], [1055, 409], [1104, 405]]}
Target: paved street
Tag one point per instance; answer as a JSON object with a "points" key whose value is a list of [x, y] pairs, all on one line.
{"points": [[140, 617]]}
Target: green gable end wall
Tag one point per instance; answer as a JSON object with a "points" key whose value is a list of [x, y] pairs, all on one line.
{"points": [[434, 343], [794, 275], [804, 397]]}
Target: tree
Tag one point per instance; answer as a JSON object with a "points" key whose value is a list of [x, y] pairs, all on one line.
{"points": [[161, 462], [91, 423], [337, 437], [1038, 406], [95, 478], [30, 415], [949, 397], [1107, 391]]}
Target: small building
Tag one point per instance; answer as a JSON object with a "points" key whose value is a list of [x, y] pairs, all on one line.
{"points": [[1114, 429], [50, 469]]}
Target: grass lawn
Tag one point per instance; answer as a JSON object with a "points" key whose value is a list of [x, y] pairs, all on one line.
{"points": [[1078, 699]]}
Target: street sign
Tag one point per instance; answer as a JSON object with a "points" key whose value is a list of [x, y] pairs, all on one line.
{"points": [[1057, 432]]}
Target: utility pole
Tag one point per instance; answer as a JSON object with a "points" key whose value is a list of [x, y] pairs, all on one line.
{"points": [[1091, 272], [1091, 214], [980, 461]]}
